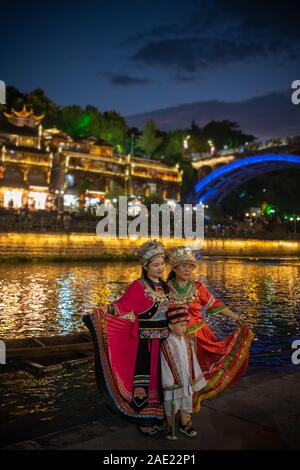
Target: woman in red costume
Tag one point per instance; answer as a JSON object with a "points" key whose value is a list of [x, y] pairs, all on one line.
{"points": [[127, 335], [224, 361]]}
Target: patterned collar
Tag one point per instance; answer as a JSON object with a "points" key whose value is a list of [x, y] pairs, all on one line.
{"points": [[156, 295], [178, 288], [182, 295]]}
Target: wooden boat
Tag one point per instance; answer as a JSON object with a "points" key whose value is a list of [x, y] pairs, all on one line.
{"points": [[47, 345], [45, 365], [47, 354]]}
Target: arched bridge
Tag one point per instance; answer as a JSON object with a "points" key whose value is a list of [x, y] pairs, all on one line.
{"points": [[219, 183]]}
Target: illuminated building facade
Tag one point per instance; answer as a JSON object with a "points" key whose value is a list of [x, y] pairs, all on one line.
{"points": [[47, 169]]}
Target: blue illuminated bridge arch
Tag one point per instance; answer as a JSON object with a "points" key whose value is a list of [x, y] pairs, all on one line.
{"points": [[221, 182]]}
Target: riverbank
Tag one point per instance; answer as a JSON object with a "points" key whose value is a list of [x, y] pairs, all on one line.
{"points": [[245, 416], [89, 247]]}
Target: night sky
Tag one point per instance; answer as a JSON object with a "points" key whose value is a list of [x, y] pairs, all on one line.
{"points": [[142, 55]]}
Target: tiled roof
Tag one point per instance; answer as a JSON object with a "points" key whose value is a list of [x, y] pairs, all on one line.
{"points": [[8, 128]]}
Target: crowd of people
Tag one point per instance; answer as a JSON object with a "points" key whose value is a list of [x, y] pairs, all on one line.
{"points": [[260, 227], [25, 220]]}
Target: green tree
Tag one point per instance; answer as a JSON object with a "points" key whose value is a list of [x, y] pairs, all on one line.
{"points": [[81, 123], [95, 123], [73, 121], [41, 104], [198, 142], [188, 181], [279, 188], [226, 133], [35, 100], [115, 130], [149, 142], [172, 147], [14, 98]]}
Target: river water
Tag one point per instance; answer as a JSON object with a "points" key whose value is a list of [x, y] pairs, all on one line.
{"points": [[49, 299]]}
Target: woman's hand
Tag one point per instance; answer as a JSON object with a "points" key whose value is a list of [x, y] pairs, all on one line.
{"points": [[235, 316], [242, 320]]}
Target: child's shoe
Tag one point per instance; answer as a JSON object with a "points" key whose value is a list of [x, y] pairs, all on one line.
{"points": [[188, 430]]}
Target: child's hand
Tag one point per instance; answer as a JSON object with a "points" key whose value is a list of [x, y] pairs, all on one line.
{"points": [[172, 387]]}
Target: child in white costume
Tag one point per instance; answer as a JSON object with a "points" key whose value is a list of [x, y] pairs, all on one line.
{"points": [[180, 371]]}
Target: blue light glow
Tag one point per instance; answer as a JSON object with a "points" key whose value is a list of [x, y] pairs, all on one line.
{"points": [[208, 188]]}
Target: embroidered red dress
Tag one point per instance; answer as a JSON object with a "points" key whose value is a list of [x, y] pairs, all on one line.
{"points": [[127, 351], [224, 361]]}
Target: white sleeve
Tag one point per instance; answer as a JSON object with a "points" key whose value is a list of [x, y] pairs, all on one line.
{"points": [[167, 378]]}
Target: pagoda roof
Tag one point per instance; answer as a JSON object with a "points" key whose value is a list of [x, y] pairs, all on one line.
{"points": [[24, 113]]}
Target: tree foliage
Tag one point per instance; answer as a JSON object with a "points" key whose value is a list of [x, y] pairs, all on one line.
{"points": [[167, 147], [149, 142]]}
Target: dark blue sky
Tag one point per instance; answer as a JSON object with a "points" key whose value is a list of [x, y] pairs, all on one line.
{"points": [[142, 55]]}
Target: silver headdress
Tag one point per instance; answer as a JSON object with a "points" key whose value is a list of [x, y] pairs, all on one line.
{"points": [[150, 249], [181, 255]]}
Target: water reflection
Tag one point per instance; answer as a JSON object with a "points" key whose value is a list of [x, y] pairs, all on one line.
{"points": [[269, 297], [50, 299], [33, 406], [39, 299]]}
